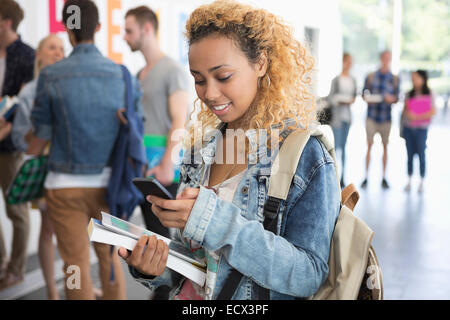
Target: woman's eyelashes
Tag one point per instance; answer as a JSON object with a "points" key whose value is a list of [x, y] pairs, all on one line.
{"points": [[224, 79]]}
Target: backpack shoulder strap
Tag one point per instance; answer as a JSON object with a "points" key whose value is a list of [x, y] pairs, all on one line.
{"points": [[286, 161], [285, 164]]}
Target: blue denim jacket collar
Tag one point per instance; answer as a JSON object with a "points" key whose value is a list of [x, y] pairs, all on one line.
{"points": [[85, 48]]}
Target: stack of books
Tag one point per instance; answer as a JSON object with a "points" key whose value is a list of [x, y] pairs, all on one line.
{"points": [[117, 232]]}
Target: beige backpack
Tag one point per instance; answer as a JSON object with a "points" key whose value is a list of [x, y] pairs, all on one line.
{"points": [[354, 271]]}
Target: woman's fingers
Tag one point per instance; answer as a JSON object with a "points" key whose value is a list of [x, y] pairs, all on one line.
{"points": [[123, 253], [189, 193], [136, 255], [148, 254], [148, 257], [174, 219], [163, 262], [166, 204]]}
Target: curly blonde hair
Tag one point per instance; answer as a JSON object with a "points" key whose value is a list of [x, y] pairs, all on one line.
{"points": [[283, 91]]}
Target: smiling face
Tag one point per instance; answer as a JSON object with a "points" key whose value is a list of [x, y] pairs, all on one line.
{"points": [[225, 80], [51, 52]]}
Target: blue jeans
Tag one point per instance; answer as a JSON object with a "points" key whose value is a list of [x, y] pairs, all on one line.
{"points": [[340, 140], [416, 139]]}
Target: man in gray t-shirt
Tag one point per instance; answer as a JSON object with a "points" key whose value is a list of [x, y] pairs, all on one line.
{"points": [[164, 81], [165, 99]]}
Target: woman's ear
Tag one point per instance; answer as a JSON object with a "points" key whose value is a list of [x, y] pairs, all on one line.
{"points": [[262, 65]]}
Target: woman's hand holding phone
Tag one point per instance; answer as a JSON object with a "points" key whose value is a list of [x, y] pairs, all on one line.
{"points": [[174, 213]]}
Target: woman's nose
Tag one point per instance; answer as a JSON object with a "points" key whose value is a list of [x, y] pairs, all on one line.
{"points": [[212, 92]]}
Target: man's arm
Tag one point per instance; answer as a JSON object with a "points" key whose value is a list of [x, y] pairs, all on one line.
{"points": [[178, 111], [36, 145]]}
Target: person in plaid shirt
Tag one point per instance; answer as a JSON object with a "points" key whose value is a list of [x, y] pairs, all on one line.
{"points": [[381, 90]]}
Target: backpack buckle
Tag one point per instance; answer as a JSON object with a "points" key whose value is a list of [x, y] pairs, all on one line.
{"points": [[271, 208]]}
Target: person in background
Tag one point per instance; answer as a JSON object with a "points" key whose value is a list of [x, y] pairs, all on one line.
{"points": [[342, 95], [418, 110], [165, 101], [16, 69], [49, 51], [76, 107], [381, 90]]}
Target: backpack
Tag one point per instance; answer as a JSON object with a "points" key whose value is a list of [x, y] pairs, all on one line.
{"points": [[354, 271], [127, 159]]}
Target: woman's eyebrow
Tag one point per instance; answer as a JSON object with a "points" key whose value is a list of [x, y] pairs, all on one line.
{"points": [[211, 69]]}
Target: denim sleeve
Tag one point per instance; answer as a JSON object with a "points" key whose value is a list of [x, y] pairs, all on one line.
{"points": [[22, 124], [168, 278], [296, 263], [41, 114]]}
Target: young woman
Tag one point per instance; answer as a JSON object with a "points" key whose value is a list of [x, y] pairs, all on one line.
{"points": [[342, 95], [251, 75], [418, 110]]}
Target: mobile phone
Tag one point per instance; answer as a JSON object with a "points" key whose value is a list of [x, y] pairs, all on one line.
{"points": [[152, 187]]}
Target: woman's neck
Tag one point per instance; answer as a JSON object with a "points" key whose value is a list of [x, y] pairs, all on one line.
{"points": [[418, 92]]}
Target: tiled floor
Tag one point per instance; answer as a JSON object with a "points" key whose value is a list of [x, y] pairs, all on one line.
{"points": [[412, 230]]}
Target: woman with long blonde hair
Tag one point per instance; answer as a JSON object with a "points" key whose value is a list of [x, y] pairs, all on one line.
{"points": [[252, 78]]}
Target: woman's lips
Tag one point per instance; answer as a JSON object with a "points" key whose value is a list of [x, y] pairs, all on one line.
{"points": [[220, 109]]}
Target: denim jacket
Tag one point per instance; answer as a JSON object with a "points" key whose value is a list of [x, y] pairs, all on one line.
{"points": [[76, 104], [293, 263]]}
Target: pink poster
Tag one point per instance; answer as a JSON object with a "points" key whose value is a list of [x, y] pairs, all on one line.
{"points": [[55, 24]]}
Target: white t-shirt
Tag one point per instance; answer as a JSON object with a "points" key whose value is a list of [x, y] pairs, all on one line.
{"points": [[56, 180], [2, 73]]}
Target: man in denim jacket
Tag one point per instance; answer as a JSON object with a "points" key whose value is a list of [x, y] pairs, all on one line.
{"points": [[76, 110]]}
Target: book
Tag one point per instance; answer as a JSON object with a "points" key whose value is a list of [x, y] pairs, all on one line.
{"points": [[343, 98], [117, 232], [419, 105], [8, 106], [373, 98]]}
